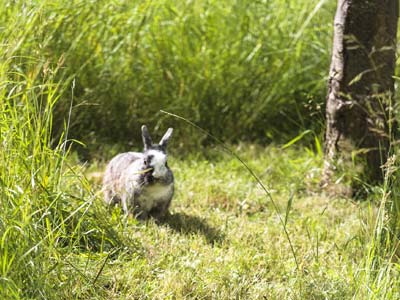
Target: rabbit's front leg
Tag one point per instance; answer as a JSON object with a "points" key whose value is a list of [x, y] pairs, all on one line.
{"points": [[160, 212], [125, 206], [139, 212]]}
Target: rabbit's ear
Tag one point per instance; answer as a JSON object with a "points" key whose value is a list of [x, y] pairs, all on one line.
{"points": [[147, 142], [166, 137]]}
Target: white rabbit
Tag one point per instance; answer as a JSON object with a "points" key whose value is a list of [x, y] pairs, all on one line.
{"points": [[142, 182]]}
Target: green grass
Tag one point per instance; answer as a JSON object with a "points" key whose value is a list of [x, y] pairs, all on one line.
{"points": [[97, 70], [224, 239], [246, 64]]}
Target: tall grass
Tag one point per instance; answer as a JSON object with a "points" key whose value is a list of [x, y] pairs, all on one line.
{"points": [[46, 229], [49, 227], [244, 64]]}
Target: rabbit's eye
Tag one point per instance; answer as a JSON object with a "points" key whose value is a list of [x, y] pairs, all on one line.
{"points": [[145, 162]]}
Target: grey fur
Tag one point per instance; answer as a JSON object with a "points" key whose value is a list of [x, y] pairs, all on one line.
{"points": [[126, 180], [147, 142]]}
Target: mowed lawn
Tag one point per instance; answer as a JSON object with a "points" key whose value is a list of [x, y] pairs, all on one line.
{"points": [[225, 238]]}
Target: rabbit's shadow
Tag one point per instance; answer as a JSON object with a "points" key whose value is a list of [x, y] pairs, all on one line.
{"points": [[189, 224]]}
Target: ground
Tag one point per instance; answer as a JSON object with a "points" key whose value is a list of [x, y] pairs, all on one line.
{"points": [[225, 237]]}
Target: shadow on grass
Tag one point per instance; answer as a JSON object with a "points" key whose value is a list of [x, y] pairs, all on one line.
{"points": [[187, 224]]}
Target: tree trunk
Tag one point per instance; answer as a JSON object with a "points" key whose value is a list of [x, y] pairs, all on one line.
{"points": [[360, 87]]}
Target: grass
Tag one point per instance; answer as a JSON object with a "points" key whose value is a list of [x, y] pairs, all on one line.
{"points": [[222, 241], [68, 69], [244, 63]]}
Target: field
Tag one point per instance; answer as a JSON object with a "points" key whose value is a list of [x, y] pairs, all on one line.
{"points": [[225, 238], [79, 78]]}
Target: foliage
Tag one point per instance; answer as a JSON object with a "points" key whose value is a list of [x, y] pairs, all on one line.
{"points": [[244, 64]]}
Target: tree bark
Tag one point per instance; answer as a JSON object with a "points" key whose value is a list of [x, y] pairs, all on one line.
{"points": [[360, 87]]}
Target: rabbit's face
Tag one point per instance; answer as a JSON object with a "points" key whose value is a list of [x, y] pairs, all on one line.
{"points": [[157, 161]]}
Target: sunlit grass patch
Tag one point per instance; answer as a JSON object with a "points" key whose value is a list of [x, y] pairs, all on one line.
{"points": [[224, 238]]}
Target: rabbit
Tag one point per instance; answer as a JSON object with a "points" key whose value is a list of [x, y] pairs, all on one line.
{"points": [[142, 182]]}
